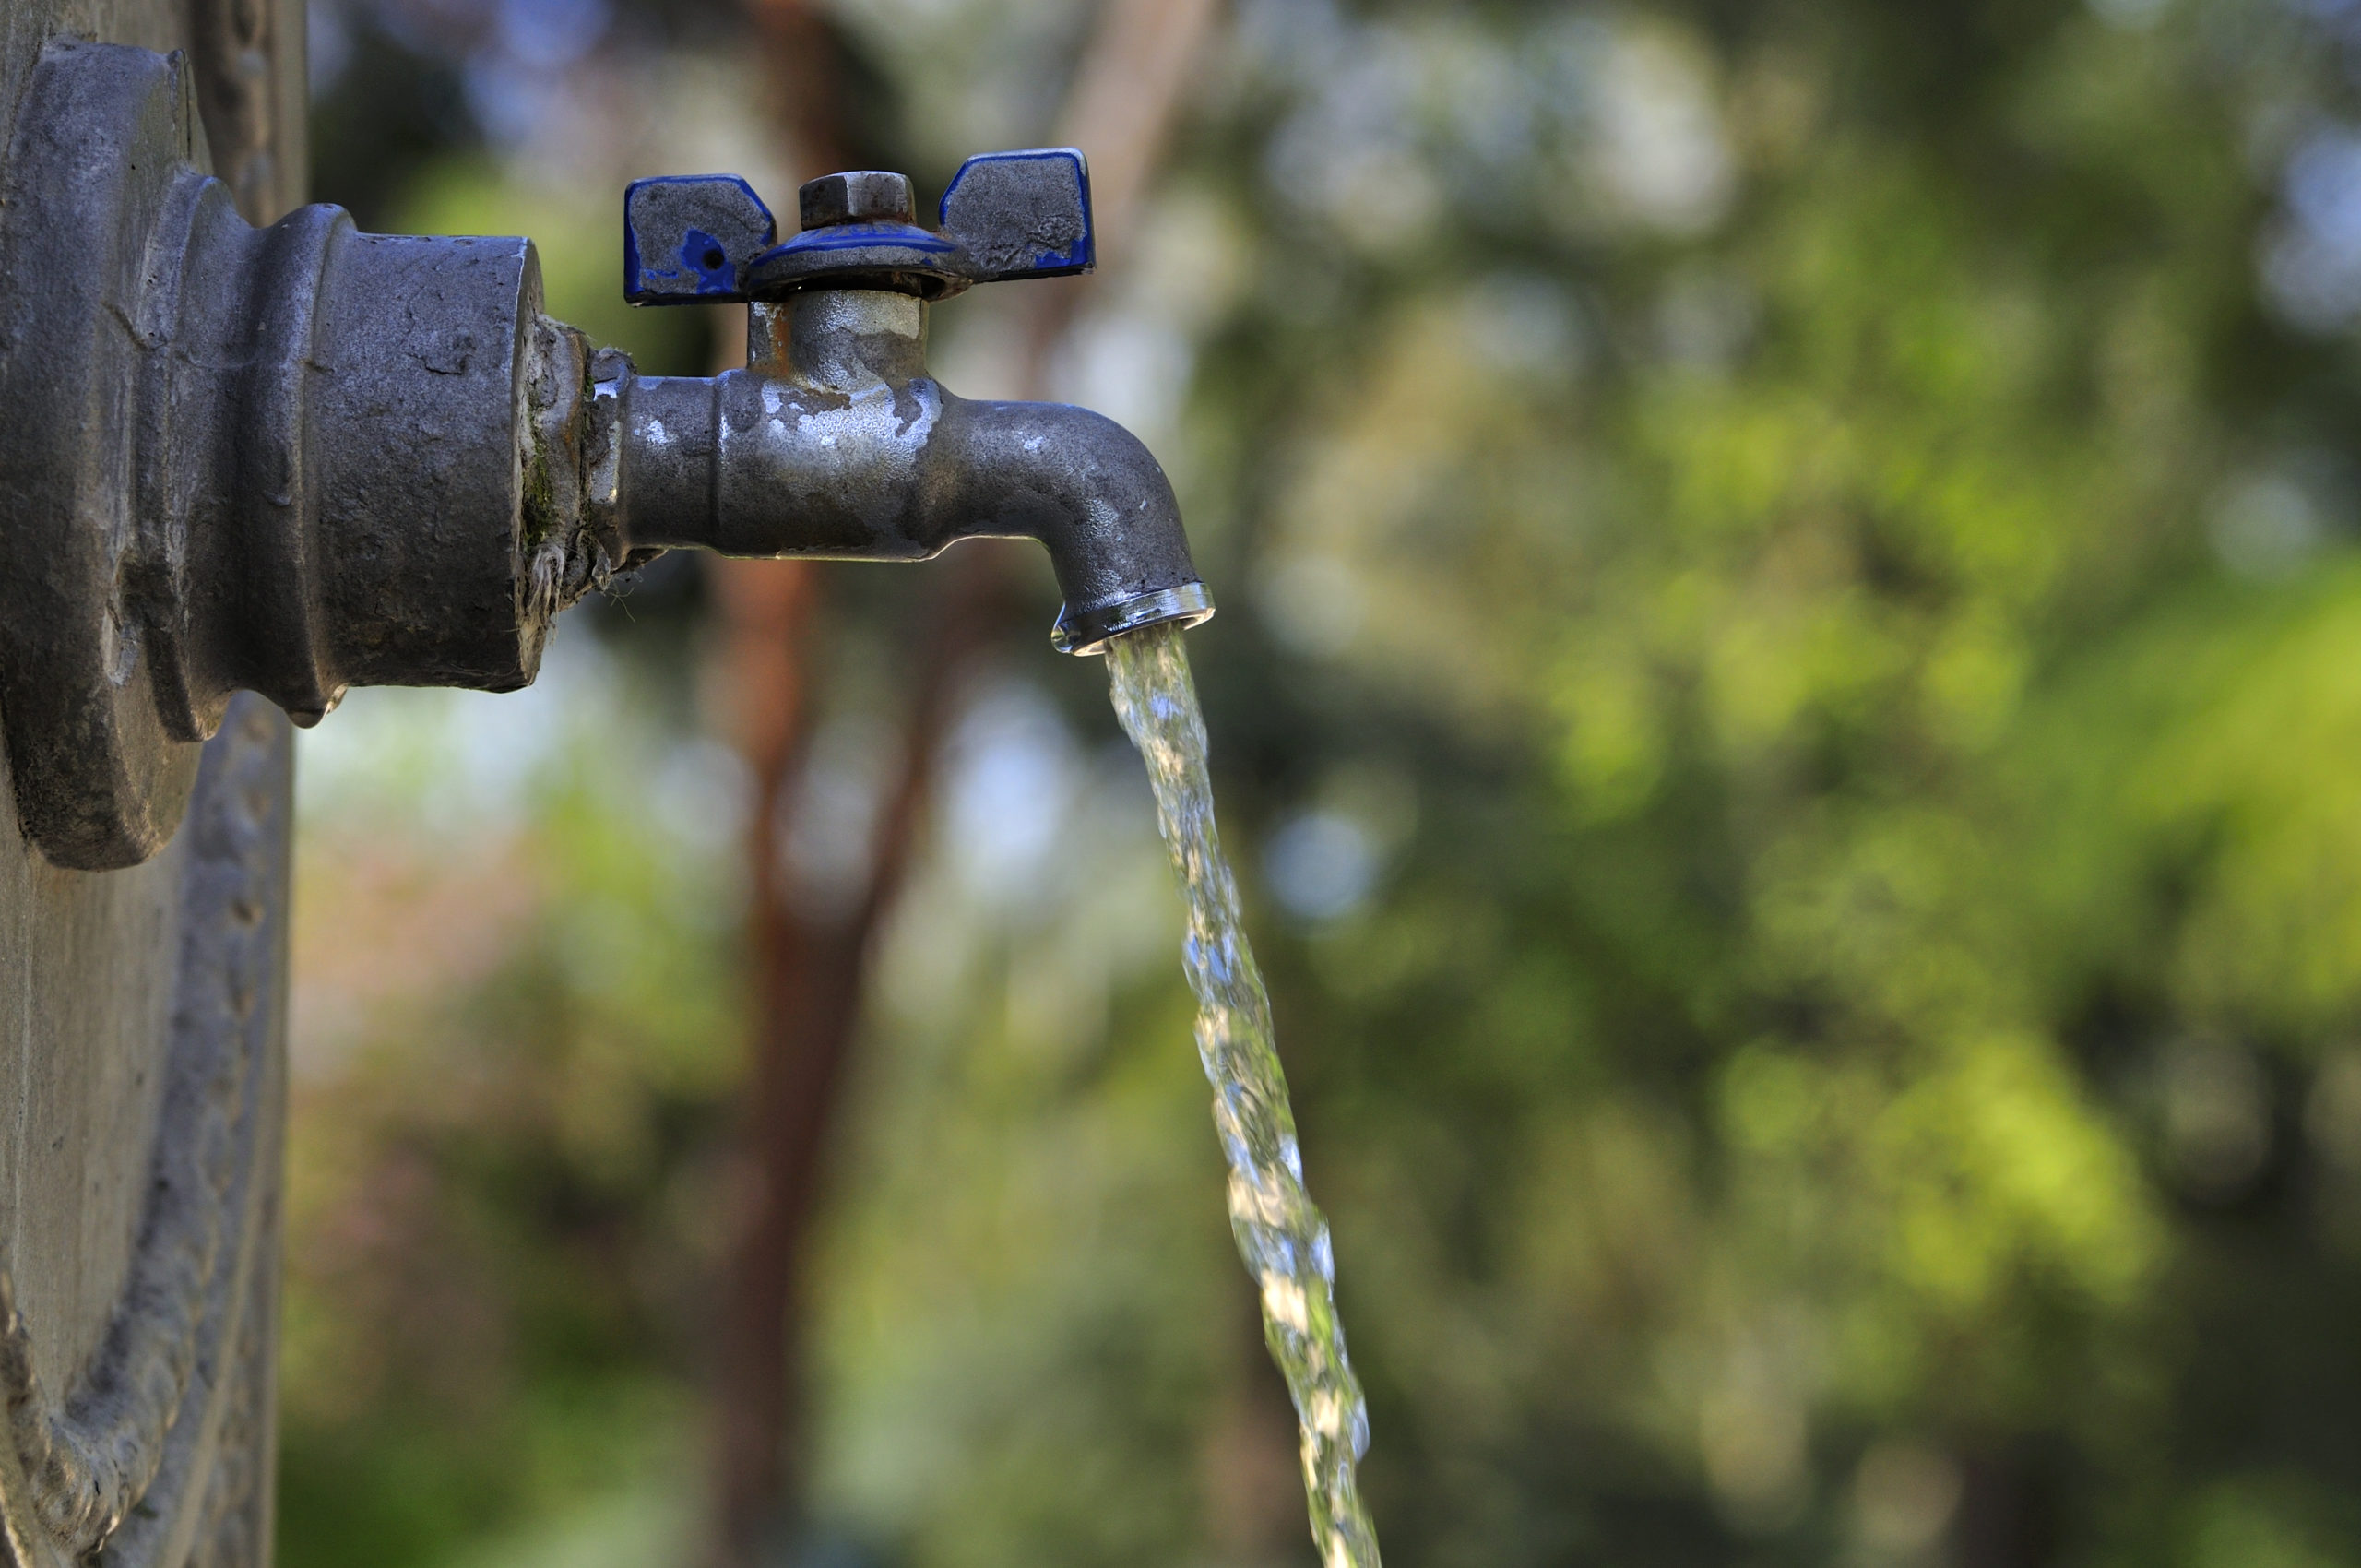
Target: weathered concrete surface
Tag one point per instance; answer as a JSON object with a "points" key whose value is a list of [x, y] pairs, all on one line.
{"points": [[141, 1036]]}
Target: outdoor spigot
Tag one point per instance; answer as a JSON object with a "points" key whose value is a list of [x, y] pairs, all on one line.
{"points": [[301, 459], [833, 443]]}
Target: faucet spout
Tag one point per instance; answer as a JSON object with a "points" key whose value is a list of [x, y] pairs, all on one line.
{"points": [[1094, 496], [835, 444]]}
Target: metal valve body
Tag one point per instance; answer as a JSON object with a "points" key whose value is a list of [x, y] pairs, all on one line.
{"points": [[296, 459]]}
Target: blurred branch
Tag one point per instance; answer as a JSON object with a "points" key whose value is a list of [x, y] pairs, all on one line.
{"points": [[800, 1024], [768, 609], [803, 63], [811, 971], [1126, 99], [1127, 95]]}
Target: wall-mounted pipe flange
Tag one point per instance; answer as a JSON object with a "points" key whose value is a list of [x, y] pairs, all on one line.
{"points": [[284, 460]]}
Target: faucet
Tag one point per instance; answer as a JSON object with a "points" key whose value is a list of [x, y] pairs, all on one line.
{"points": [[833, 443], [302, 458]]}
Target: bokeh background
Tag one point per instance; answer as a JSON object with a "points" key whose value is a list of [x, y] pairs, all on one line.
{"points": [[1788, 699]]}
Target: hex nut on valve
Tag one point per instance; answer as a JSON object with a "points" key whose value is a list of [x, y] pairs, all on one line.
{"points": [[862, 195]]}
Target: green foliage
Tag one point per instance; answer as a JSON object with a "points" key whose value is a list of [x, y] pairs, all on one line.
{"points": [[520, 1022], [1939, 862], [1796, 541]]}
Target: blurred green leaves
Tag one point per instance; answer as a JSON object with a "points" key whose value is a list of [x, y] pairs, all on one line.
{"points": [[1801, 542]]}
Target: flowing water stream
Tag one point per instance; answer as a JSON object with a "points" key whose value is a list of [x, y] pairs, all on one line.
{"points": [[1280, 1234]]}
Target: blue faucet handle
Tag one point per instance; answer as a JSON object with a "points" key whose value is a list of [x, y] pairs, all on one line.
{"points": [[688, 237], [1022, 214], [1006, 215]]}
